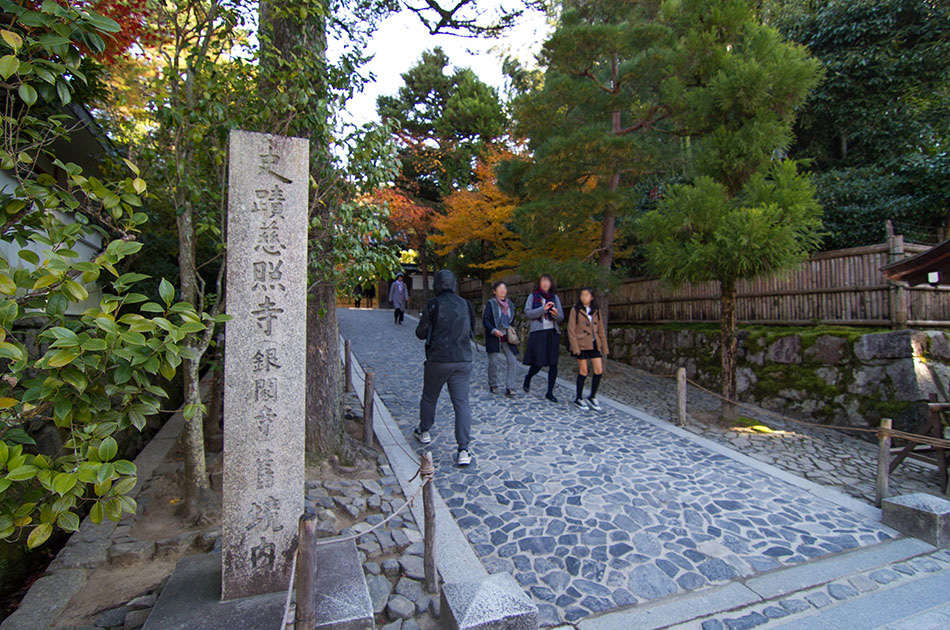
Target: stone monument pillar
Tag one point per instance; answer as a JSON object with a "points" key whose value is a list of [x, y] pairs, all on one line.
{"points": [[265, 360]]}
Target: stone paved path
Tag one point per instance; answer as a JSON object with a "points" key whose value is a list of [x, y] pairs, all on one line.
{"points": [[831, 458], [597, 511]]}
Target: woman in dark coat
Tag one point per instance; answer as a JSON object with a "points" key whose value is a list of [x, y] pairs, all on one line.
{"points": [[543, 309], [498, 318]]}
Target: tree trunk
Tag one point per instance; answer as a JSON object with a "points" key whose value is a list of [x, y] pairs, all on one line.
{"points": [[324, 382], [486, 292], [196, 474], [728, 348], [425, 273], [324, 423]]}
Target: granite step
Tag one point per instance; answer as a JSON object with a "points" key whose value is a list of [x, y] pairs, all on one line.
{"points": [[740, 594], [343, 601]]}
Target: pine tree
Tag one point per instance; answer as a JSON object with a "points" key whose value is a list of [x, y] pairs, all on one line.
{"points": [[746, 212], [592, 125]]}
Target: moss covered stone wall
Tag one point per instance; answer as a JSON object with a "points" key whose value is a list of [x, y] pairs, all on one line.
{"points": [[841, 376]]}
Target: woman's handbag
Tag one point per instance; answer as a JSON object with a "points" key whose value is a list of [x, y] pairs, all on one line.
{"points": [[512, 335]]}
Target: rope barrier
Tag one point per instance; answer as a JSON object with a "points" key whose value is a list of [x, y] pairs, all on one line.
{"points": [[880, 432], [290, 590], [426, 478]]}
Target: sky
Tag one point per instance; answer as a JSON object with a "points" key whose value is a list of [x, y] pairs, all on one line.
{"points": [[402, 38]]}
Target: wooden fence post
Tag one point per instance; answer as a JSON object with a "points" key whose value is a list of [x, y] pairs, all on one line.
{"points": [[898, 293], [306, 581], [883, 461], [368, 410], [428, 508], [348, 365], [681, 396]]}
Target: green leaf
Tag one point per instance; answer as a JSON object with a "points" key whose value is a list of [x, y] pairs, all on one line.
{"points": [[8, 66], [166, 291], [107, 449], [95, 514], [22, 473], [4, 453], [68, 521], [7, 285], [27, 93], [39, 535], [64, 482], [61, 358], [139, 185], [125, 467], [75, 290], [106, 471], [124, 486], [13, 40], [10, 351], [29, 256], [94, 345], [64, 94]]}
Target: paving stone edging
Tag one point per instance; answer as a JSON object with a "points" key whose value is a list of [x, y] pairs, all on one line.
{"points": [[455, 557], [89, 546], [787, 594]]}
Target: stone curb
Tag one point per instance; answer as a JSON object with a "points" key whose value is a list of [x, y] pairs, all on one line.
{"points": [[455, 557], [503, 604], [66, 575]]}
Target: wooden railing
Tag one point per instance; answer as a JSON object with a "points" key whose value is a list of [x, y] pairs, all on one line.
{"points": [[844, 287]]}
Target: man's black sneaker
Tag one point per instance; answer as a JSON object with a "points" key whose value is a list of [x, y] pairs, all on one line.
{"points": [[551, 397]]}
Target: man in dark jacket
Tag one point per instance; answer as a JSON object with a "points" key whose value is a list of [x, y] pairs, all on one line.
{"points": [[447, 325]]}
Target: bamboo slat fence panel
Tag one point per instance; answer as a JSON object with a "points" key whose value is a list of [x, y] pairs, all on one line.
{"points": [[844, 287]]}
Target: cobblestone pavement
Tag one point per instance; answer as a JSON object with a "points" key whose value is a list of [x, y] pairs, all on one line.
{"points": [[595, 511], [826, 456]]}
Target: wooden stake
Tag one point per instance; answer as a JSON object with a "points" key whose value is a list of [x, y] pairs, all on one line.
{"points": [[883, 465], [305, 581], [681, 396], [348, 365], [368, 410], [428, 507]]}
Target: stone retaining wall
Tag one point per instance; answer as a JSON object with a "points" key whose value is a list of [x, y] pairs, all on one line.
{"points": [[837, 376]]}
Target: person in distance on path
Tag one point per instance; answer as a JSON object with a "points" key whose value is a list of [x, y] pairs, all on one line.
{"points": [[502, 353], [587, 334], [544, 310], [447, 324], [399, 298]]}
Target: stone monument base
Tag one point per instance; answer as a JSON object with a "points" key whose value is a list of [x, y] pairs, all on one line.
{"points": [[192, 601], [919, 515]]}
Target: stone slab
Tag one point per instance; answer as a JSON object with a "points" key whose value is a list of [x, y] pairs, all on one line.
{"points": [[191, 600], [673, 610], [830, 568], [495, 603], [343, 601], [919, 515], [48, 596], [265, 361], [881, 608]]}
